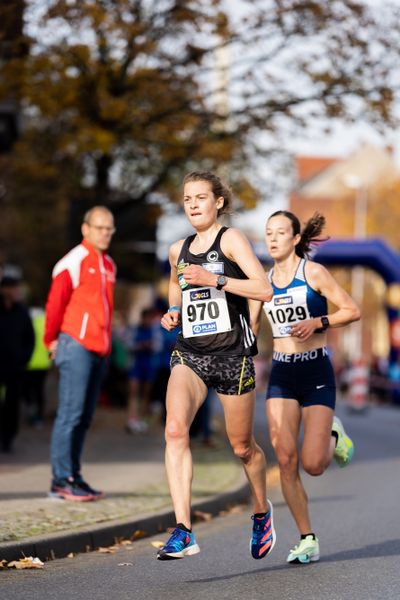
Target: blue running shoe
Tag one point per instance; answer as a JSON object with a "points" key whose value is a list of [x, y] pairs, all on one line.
{"points": [[180, 544], [264, 537]]}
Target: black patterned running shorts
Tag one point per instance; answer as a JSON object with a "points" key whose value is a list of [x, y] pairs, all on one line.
{"points": [[231, 375]]}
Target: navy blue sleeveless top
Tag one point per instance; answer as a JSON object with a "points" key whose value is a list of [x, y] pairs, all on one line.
{"points": [[295, 303]]}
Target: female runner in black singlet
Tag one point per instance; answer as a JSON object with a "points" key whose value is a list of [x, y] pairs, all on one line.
{"points": [[213, 273]]}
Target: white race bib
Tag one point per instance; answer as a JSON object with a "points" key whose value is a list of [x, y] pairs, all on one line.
{"points": [[204, 312], [287, 309]]}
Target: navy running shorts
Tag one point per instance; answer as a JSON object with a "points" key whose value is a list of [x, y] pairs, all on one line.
{"points": [[231, 375], [307, 377]]}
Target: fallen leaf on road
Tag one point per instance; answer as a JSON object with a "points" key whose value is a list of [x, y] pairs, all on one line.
{"points": [[70, 555], [202, 516], [118, 540], [233, 510], [125, 564], [138, 534], [26, 563], [126, 543], [3, 564], [110, 550], [157, 544]]}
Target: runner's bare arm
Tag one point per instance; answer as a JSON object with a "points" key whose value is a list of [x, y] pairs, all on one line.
{"points": [[255, 308], [236, 247], [324, 283], [171, 318]]}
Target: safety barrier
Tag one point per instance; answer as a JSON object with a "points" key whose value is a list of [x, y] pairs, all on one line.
{"points": [[358, 385]]}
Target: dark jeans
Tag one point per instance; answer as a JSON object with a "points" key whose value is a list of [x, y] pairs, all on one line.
{"points": [[81, 376]]}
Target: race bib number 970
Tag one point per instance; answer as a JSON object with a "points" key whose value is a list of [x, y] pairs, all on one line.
{"points": [[204, 312]]}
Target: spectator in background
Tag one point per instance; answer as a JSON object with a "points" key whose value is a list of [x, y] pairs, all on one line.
{"points": [[164, 344], [78, 335], [141, 374], [36, 371], [16, 345], [379, 379], [115, 386]]}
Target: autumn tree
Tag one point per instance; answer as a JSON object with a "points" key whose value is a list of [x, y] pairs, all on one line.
{"points": [[121, 97]]}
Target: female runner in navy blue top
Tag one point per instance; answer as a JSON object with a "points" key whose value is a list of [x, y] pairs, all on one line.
{"points": [[302, 383]]}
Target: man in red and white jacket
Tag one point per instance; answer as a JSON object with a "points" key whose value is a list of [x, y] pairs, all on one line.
{"points": [[78, 336]]}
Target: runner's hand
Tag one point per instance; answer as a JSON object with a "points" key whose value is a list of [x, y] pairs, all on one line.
{"points": [[304, 330], [170, 320], [197, 275]]}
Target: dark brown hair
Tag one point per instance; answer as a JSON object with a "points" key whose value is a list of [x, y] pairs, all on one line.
{"points": [[217, 186], [310, 232]]}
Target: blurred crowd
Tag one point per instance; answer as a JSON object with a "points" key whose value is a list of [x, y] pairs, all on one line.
{"points": [[377, 374], [136, 380], [138, 368]]}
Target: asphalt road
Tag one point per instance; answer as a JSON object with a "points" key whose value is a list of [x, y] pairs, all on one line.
{"points": [[355, 514]]}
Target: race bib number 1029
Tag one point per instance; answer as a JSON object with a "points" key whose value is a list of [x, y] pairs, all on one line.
{"points": [[204, 312]]}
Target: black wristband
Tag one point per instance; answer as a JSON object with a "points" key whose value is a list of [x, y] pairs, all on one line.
{"points": [[325, 325]]}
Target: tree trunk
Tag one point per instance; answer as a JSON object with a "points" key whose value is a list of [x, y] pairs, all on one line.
{"points": [[103, 166]]}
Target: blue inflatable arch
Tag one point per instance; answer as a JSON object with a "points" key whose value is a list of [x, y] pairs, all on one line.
{"points": [[379, 256], [373, 253]]}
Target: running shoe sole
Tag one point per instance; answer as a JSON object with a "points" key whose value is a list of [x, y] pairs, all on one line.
{"points": [[304, 559], [176, 555], [71, 497]]}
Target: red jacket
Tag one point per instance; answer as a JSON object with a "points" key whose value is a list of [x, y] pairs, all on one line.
{"points": [[80, 300]]}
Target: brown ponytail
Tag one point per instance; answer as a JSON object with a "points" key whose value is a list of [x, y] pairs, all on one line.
{"points": [[310, 234]]}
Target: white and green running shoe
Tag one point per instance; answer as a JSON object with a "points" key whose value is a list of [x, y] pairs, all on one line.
{"points": [[307, 551], [344, 447]]}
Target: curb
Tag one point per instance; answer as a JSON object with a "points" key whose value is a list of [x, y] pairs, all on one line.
{"points": [[60, 544]]}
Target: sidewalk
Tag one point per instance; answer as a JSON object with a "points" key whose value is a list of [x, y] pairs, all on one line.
{"points": [[129, 468]]}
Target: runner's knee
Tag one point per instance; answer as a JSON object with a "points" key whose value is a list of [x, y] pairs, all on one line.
{"points": [[176, 431], [313, 465], [287, 460], [243, 451]]}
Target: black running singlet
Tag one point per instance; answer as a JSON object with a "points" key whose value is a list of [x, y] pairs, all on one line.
{"points": [[213, 321]]}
